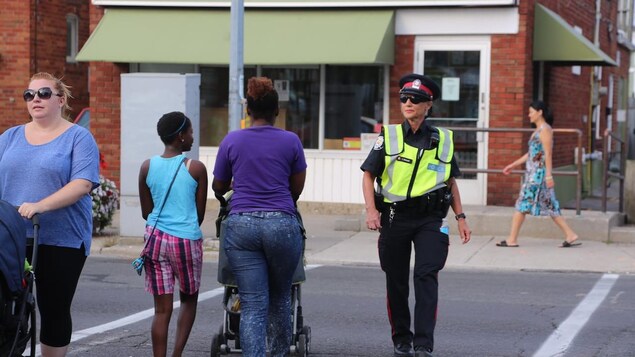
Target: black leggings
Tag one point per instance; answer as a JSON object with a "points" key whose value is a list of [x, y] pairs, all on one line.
{"points": [[57, 272]]}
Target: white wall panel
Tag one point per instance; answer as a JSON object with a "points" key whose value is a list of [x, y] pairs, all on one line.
{"points": [[457, 21], [145, 97]]}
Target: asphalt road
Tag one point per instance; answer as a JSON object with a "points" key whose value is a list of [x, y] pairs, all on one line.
{"points": [[481, 313]]}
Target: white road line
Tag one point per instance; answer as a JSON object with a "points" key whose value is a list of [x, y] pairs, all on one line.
{"points": [[559, 341], [78, 335]]}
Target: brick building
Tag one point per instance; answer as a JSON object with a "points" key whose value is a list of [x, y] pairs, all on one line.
{"points": [[342, 62], [41, 36]]}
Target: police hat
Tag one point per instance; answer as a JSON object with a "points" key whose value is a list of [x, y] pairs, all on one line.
{"points": [[419, 85]]}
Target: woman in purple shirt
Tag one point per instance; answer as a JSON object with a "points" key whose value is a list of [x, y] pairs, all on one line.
{"points": [[48, 167], [266, 168]]}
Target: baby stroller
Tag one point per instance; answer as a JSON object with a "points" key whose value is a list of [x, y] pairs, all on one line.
{"points": [[227, 340], [17, 303]]}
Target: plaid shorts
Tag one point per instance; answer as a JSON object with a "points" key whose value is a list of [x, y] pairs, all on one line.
{"points": [[169, 257]]}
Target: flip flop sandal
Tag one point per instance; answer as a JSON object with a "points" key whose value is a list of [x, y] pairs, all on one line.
{"points": [[504, 244], [566, 244]]}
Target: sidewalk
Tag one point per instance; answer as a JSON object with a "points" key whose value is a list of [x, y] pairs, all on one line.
{"points": [[482, 253], [327, 244]]}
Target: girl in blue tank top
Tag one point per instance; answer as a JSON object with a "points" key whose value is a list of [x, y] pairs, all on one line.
{"points": [[174, 248]]}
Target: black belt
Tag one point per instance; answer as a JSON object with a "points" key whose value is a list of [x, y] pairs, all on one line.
{"points": [[436, 202]]}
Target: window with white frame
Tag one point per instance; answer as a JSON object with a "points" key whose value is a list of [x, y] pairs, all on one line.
{"points": [[353, 103], [72, 37]]}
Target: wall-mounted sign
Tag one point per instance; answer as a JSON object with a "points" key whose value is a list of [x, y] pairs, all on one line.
{"points": [[282, 87], [450, 89]]}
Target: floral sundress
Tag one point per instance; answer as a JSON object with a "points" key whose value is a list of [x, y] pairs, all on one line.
{"points": [[535, 198]]}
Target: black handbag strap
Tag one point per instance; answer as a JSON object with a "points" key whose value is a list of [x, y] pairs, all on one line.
{"points": [[162, 205]]}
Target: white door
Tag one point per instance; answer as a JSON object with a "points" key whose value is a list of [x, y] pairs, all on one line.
{"points": [[460, 65]]}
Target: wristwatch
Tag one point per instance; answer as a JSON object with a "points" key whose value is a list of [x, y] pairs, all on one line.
{"points": [[459, 216]]}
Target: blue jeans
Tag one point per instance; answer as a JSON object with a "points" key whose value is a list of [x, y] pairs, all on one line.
{"points": [[263, 249]]}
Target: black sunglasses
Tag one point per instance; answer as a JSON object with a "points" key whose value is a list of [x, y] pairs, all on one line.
{"points": [[414, 99], [43, 93]]}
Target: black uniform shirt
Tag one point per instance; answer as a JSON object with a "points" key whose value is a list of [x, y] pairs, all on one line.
{"points": [[375, 161]]}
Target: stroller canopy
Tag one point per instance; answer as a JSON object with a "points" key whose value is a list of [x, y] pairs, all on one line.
{"points": [[13, 242]]}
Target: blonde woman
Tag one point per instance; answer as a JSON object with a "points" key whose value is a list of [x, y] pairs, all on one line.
{"points": [[49, 167]]}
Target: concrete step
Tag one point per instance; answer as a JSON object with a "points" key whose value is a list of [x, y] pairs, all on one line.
{"points": [[623, 234], [495, 221], [492, 221]]}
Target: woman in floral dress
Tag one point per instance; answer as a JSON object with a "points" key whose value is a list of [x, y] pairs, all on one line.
{"points": [[537, 196]]}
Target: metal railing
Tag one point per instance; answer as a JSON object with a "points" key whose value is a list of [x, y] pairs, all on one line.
{"points": [[606, 172], [577, 173]]}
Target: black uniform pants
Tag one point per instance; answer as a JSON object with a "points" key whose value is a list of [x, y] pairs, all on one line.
{"points": [[431, 252]]}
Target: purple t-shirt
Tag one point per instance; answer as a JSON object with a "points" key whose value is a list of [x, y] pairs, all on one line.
{"points": [[260, 161]]}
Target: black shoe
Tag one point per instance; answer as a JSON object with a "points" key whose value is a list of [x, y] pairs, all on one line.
{"points": [[404, 350], [421, 351]]}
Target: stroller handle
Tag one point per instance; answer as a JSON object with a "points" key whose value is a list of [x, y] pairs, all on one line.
{"points": [[222, 200], [35, 219]]}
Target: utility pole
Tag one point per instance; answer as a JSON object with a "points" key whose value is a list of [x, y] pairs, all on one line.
{"points": [[236, 76]]}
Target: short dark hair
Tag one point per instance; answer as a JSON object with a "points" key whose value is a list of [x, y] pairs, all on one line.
{"points": [[171, 124], [546, 112]]}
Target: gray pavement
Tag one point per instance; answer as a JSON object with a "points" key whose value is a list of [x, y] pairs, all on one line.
{"points": [[327, 243]]}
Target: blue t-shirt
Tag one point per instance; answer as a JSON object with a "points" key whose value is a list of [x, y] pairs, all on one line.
{"points": [[260, 160], [179, 216], [29, 173]]}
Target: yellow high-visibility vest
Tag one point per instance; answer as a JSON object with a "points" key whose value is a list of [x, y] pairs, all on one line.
{"points": [[410, 171]]}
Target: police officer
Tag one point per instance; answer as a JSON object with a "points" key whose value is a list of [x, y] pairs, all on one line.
{"points": [[409, 184]]}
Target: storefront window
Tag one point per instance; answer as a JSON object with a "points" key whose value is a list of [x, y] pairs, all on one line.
{"points": [[299, 96], [214, 99], [298, 90], [354, 105], [353, 101], [215, 102]]}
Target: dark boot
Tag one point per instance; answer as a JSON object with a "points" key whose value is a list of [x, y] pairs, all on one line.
{"points": [[421, 351], [404, 350]]}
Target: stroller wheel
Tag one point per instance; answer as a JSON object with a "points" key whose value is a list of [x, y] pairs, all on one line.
{"points": [[217, 341], [306, 331], [215, 350], [302, 352]]}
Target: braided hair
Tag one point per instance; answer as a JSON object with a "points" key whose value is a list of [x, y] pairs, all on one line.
{"points": [[171, 124], [262, 99]]}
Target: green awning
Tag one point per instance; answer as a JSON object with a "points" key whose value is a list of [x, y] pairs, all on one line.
{"points": [[195, 36], [556, 41]]}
